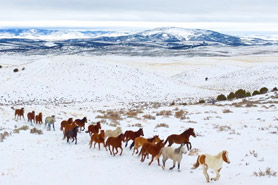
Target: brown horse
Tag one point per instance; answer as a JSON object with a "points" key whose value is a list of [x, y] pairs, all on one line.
{"points": [[97, 138], [69, 127], [31, 116], [81, 123], [65, 122], [38, 118], [183, 138], [115, 142], [92, 129], [19, 112], [153, 149], [131, 135], [140, 141]]}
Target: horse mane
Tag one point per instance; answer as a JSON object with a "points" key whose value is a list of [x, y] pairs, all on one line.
{"points": [[177, 150]]}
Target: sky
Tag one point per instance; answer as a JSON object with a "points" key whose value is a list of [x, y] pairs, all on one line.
{"points": [[225, 15]]}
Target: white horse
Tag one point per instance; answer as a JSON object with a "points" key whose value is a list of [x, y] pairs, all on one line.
{"points": [[212, 162], [174, 154], [113, 133], [48, 121]]}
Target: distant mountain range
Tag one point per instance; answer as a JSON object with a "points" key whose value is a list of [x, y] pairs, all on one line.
{"points": [[176, 40]]}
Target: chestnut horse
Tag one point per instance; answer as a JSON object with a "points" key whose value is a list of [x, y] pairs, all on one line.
{"points": [[115, 142], [65, 122], [131, 135], [31, 116], [183, 138], [38, 118], [69, 127], [97, 138], [153, 149], [92, 129], [212, 162], [19, 112], [140, 141], [81, 123]]}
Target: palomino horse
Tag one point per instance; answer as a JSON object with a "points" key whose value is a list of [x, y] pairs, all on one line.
{"points": [[19, 112], [131, 135], [31, 116], [115, 142], [65, 122], [140, 141], [94, 128], [113, 133], [183, 138], [38, 118], [212, 162], [97, 138], [50, 120], [81, 123], [173, 153], [153, 149]]}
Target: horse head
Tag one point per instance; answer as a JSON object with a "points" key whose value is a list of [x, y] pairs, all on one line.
{"points": [[140, 132], [191, 131], [98, 125], [85, 119], [225, 156], [156, 139]]}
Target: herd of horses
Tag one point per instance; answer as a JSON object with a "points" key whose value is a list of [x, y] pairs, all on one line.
{"points": [[113, 139]]}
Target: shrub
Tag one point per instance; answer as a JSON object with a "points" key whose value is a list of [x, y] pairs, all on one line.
{"points": [[23, 69], [15, 70], [17, 130], [201, 101], [240, 93], [0, 66], [231, 96], [255, 93], [248, 94], [274, 89], [162, 125], [165, 113], [173, 103], [221, 97], [227, 111], [4, 136], [263, 90], [180, 114]]}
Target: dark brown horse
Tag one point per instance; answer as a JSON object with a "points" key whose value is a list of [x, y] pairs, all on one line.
{"points": [[92, 129], [65, 122], [31, 116], [69, 127], [183, 138], [153, 149], [81, 123], [19, 112], [115, 142], [38, 118], [131, 135]]}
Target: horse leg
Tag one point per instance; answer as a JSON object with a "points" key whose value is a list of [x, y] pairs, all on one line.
{"points": [[179, 166], [53, 126], [217, 175], [126, 142], [99, 146], [163, 161], [121, 150], [109, 149], [205, 168], [174, 164], [95, 145], [158, 162], [116, 150], [76, 140], [151, 160]]}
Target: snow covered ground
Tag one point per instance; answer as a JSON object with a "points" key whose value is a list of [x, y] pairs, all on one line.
{"points": [[78, 86]]}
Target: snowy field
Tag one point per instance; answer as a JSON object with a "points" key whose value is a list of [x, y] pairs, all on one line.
{"points": [[136, 90]]}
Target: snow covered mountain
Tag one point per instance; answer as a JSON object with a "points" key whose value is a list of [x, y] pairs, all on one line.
{"points": [[160, 41]]}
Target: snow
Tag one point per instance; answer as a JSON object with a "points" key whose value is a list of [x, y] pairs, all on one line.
{"points": [[77, 86]]}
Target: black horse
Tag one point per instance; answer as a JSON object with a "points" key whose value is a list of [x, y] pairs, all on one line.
{"points": [[72, 134]]}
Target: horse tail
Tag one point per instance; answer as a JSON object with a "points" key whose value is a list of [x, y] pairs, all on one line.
{"points": [[132, 145], [166, 140], [196, 165]]}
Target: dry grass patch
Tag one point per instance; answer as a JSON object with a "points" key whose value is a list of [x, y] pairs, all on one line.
{"points": [[17, 130], [162, 125], [268, 172], [114, 123], [227, 111], [136, 125], [36, 131], [148, 116], [112, 115], [180, 114], [4, 135], [165, 113]]}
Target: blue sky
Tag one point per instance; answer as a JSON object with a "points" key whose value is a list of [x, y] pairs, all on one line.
{"points": [[227, 15]]}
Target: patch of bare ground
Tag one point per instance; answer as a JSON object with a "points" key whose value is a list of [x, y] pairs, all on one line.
{"points": [[165, 113], [162, 125], [268, 172]]}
